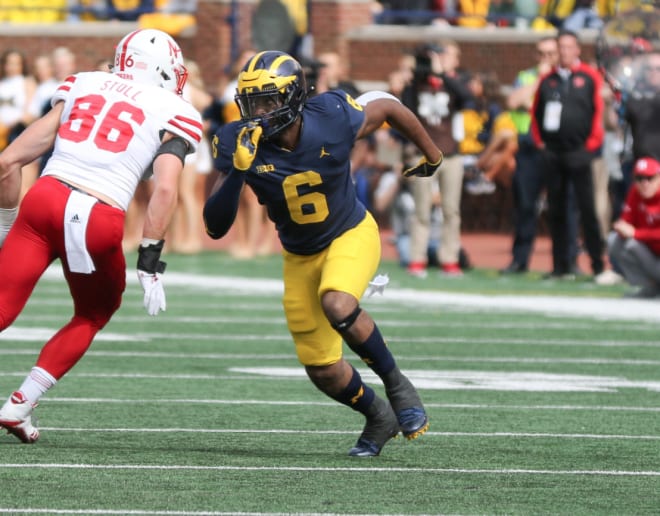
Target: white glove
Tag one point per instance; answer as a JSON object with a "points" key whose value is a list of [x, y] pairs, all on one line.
{"points": [[150, 272], [154, 294]]}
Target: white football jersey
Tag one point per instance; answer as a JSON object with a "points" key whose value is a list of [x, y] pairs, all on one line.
{"points": [[111, 129]]}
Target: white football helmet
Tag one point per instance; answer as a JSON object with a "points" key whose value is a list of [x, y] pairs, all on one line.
{"points": [[151, 56]]}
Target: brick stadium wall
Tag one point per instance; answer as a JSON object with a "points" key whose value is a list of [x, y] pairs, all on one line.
{"points": [[371, 51]]}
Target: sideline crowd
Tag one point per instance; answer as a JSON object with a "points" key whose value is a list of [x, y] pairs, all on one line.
{"points": [[561, 141]]}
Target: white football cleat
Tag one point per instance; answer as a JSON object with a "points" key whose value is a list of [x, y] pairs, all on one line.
{"points": [[16, 418]]}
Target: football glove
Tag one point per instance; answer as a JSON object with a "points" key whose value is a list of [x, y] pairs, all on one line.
{"points": [[246, 146], [423, 168], [150, 270]]}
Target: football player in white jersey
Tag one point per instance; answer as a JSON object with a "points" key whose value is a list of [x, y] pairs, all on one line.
{"points": [[107, 130]]}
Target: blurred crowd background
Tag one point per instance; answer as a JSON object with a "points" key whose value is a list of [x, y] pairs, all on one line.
{"points": [[469, 67]]}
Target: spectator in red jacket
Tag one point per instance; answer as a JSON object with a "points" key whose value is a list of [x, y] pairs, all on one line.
{"points": [[634, 244], [567, 125]]}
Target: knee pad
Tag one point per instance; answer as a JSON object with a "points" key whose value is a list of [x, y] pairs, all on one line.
{"points": [[344, 325]]}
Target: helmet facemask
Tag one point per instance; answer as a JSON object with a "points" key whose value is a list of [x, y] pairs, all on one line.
{"points": [[273, 110], [180, 78]]}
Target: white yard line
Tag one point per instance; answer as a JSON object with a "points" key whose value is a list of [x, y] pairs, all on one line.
{"points": [[34, 334], [599, 308], [369, 470], [390, 322], [239, 431], [267, 357], [332, 404]]}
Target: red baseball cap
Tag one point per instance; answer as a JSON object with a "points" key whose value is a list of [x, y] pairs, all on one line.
{"points": [[646, 167]]}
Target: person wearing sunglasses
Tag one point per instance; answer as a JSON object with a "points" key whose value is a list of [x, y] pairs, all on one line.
{"points": [[634, 243]]}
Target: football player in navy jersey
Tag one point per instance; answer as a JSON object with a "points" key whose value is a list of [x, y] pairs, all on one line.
{"points": [[294, 153]]}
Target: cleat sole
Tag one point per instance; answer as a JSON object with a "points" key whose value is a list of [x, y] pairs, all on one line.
{"points": [[418, 433], [13, 429]]}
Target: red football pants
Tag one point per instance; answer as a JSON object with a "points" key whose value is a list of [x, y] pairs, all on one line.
{"points": [[34, 242]]}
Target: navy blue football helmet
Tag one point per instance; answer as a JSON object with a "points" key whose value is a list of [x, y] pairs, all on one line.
{"points": [[271, 91]]}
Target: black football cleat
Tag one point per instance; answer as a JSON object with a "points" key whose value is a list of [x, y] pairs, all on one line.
{"points": [[407, 406], [413, 422], [380, 428]]}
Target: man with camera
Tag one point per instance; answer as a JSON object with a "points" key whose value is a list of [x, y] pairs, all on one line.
{"points": [[436, 95]]}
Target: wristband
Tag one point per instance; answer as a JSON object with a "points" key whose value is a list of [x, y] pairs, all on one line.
{"points": [[149, 256]]}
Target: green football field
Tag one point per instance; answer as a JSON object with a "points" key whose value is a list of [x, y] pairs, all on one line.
{"points": [[543, 396]]}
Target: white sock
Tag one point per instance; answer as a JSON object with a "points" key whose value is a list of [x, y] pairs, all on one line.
{"points": [[36, 384]]}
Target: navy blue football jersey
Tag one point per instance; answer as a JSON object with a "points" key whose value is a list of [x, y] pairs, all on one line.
{"points": [[308, 192]]}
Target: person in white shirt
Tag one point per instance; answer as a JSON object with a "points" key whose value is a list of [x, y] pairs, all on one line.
{"points": [[47, 83], [109, 131], [17, 89]]}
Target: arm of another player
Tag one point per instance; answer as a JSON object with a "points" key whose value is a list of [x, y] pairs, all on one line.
{"points": [[34, 141], [381, 107]]}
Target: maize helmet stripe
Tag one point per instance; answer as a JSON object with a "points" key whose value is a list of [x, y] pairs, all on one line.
{"points": [[257, 79], [253, 62]]}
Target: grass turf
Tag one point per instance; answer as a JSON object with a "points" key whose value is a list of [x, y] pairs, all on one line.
{"points": [[205, 409]]}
